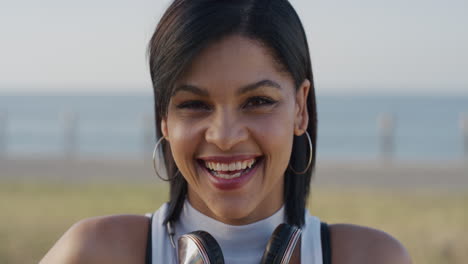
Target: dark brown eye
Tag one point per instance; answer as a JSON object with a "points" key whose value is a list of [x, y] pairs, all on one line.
{"points": [[258, 101], [194, 105]]}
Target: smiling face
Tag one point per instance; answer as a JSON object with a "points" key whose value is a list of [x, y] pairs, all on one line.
{"points": [[230, 125]]}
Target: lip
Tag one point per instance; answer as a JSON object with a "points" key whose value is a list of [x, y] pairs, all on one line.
{"points": [[235, 183]]}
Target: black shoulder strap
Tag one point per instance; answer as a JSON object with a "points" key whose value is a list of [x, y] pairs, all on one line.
{"points": [[149, 256], [326, 245]]}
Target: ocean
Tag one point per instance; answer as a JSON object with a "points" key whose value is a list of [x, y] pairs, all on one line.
{"points": [[425, 127]]}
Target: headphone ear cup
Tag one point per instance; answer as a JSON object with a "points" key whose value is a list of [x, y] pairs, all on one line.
{"points": [[215, 254], [282, 238]]}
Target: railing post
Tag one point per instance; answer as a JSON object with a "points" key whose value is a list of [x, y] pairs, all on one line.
{"points": [[70, 134], [147, 124], [464, 133], [386, 126], [3, 134]]}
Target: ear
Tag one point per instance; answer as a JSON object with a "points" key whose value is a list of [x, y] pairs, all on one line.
{"points": [[301, 119], [164, 130]]}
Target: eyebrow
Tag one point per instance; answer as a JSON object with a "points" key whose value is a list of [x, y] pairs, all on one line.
{"points": [[244, 89]]}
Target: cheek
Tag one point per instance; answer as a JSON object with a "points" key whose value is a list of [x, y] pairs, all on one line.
{"points": [[275, 134], [184, 138]]}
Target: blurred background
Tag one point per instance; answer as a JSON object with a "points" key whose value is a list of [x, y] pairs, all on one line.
{"points": [[77, 129]]}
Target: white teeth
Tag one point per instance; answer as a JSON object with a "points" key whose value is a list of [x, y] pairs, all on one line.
{"points": [[239, 165], [227, 176]]}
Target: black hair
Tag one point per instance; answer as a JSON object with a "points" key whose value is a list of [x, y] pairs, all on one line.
{"points": [[190, 25]]}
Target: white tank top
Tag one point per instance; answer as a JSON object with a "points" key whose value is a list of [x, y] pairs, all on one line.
{"points": [[240, 244]]}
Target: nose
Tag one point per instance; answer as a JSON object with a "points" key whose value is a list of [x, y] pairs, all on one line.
{"points": [[226, 130]]}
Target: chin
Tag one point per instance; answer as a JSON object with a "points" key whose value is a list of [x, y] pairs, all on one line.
{"points": [[238, 201]]}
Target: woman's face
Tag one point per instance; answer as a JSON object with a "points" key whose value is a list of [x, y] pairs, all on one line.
{"points": [[230, 124]]}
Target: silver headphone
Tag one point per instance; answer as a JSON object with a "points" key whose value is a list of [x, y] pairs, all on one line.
{"points": [[200, 247]]}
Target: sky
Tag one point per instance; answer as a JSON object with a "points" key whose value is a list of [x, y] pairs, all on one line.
{"points": [[363, 46]]}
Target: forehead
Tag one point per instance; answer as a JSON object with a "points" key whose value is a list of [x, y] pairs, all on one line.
{"points": [[233, 62]]}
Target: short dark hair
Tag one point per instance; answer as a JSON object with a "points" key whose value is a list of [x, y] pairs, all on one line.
{"points": [[187, 27]]}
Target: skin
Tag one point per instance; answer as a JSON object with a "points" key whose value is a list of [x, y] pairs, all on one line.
{"points": [[224, 122]]}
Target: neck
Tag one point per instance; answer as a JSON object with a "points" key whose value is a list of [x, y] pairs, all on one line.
{"points": [[250, 239]]}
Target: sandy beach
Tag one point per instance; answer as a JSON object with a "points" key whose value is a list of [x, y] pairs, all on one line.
{"points": [[450, 175]]}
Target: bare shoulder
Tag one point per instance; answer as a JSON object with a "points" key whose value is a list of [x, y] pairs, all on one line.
{"points": [[108, 239], [356, 244]]}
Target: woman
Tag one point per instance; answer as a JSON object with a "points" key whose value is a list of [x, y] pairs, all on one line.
{"points": [[236, 121]]}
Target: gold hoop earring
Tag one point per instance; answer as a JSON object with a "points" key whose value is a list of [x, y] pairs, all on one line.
{"points": [[164, 165], [310, 156]]}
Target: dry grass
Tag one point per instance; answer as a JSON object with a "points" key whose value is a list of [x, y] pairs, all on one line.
{"points": [[432, 225]]}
